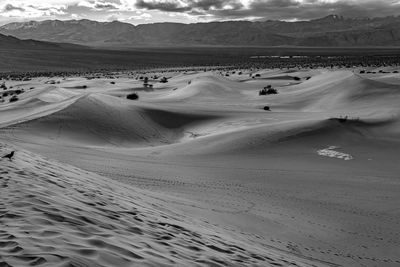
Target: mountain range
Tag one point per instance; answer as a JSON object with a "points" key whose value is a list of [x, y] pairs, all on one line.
{"points": [[331, 31], [11, 42]]}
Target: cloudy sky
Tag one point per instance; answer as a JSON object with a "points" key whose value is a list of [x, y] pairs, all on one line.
{"points": [[187, 11]]}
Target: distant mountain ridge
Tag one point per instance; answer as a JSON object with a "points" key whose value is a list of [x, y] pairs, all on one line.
{"points": [[7, 42], [330, 31]]}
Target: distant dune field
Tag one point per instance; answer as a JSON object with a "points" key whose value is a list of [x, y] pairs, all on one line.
{"points": [[52, 57]]}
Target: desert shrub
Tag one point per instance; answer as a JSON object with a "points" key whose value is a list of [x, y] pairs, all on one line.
{"points": [[268, 91], [342, 119], [296, 78], [163, 80], [395, 71], [112, 82], [3, 86], [5, 94], [362, 71], [18, 91], [266, 108], [146, 81], [14, 98], [257, 75], [81, 87], [133, 96]]}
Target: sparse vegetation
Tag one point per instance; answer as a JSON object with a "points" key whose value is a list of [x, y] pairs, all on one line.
{"points": [[268, 90], [163, 80], [344, 119], [14, 98], [133, 96], [267, 108]]}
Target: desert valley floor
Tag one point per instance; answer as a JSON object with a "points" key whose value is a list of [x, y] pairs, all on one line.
{"points": [[196, 172]]}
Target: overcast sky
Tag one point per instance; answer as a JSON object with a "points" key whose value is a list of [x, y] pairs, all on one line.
{"points": [[187, 11]]}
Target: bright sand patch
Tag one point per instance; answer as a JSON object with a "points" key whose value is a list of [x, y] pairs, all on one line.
{"points": [[330, 152]]}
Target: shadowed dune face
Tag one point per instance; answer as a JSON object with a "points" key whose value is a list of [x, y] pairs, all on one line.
{"points": [[315, 176], [102, 120]]}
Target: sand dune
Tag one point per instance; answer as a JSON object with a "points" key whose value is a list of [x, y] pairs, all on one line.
{"points": [[105, 120], [211, 161], [53, 214]]}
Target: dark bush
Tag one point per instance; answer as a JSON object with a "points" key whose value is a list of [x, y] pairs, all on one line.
{"points": [[133, 96], [14, 99], [163, 80], [296, 78], [268, 91], [112, 82], [267, 108], [362, 71], [342, 119]]}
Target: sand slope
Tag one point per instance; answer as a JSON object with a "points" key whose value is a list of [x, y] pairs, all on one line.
{"points": [[52, 214]]}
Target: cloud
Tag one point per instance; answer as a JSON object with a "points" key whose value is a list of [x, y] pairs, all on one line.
{"points": [[105, 6], [274, 9], [190, 6], [10, 7], [166, 6], [194, 10]]}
